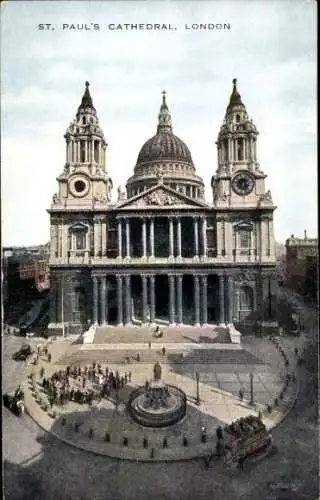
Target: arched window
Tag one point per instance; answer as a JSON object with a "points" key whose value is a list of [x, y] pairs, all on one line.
{"points": [[246, 298], [244, 238], [240, 155], [237, 118], [82, 152], [84, 120], [80, 240]]}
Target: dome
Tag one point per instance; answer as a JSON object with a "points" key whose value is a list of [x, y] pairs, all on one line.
{"points": [[164, 146], [165, 157]]}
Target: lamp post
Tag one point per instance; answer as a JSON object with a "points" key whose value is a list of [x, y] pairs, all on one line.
{"points": [[251, 388], [198, 392]]}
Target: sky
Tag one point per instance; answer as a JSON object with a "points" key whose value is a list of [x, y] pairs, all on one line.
{"points": [[270, 49]]}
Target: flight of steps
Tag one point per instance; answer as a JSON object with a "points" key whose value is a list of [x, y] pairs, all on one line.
{"points": [[123, 334], [194, 356]]}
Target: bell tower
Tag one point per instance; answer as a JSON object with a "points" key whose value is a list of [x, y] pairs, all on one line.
{"points": [[85, 180], [238, 182]]}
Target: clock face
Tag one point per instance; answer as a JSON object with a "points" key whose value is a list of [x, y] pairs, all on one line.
{"points": [[243, 183], [79, 186]]}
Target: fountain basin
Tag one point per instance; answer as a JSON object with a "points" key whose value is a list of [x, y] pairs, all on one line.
{"points": [[159, 405]]}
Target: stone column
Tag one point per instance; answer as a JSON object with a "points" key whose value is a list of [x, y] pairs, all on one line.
{"points": [[85, 151], [196, 294], [151, 235], [103, 290], [204, 237], [144, 298], [78, 151], [237, 303], [67, 151], [127, 284], [171, 300], [204, 296], [221, 299], [196, 237], [127, 239], [230, 299], [179, 300], [171, 248], [179, 236], [152, 299], [119, 239], [144, 239], [95, 300], [119, 300], [92, 151]]}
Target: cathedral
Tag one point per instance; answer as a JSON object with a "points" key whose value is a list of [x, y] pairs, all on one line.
{"points": [[162, 253]]}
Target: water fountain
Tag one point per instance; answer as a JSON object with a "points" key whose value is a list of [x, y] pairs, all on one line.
{"points": [[157, 404]]}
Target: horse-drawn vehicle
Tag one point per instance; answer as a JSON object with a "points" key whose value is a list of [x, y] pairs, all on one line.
{"points": [[246, 438], [15, 403]]}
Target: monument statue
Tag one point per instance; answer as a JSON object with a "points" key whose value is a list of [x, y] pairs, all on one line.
{"points": [[157, 371]]}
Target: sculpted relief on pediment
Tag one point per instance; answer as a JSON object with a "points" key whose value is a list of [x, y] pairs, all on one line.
{"points": [[159, 198]]}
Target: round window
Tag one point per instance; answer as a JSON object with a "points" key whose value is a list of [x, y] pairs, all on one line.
{"points": [[79, 186]]}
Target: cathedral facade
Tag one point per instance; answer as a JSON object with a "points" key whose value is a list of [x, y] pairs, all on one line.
{"points": [[161, 253]]}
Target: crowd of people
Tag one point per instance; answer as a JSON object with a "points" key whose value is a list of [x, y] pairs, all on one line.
{"points": [[83, 384]]}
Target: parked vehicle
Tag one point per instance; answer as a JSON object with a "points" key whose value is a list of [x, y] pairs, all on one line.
{"points": [[24, 352], [15, 403]]}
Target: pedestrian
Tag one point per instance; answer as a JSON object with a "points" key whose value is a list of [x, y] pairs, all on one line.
{"points": [[129, 376], [163, 351], [41, 372], [83, 382], [125, 378], [49, 357], [296, 351], [138, 357], [241, 394], [149, 343]]}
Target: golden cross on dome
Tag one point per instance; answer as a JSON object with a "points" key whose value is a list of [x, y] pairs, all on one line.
{"points": [[164, 96]]}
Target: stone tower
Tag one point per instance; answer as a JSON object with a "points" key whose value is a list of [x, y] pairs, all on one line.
{"points": [[239, 188], [85, 179]]}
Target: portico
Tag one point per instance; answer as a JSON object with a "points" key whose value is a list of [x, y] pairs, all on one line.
{"points": [[178, 297], [161, 235]]}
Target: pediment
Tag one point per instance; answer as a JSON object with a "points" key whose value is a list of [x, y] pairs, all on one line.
{"points": [[244, 225], [78, 226], [161, 196]]}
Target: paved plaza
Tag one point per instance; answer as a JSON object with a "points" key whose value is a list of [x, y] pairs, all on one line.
{"points": [[37, 465], [223, 369]]}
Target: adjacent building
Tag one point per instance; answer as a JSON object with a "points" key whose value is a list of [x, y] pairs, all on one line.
{"points": [[162, 252], [302, 265]]}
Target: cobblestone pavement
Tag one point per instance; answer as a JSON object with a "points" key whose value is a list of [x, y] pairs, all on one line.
{"points": [[37, 466]]}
